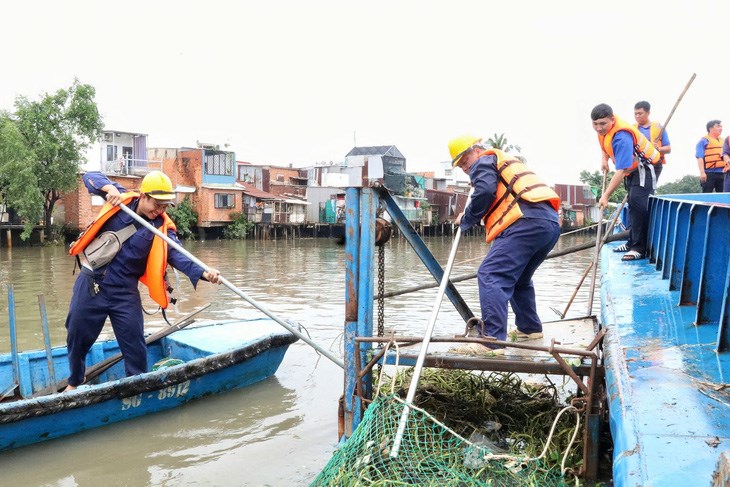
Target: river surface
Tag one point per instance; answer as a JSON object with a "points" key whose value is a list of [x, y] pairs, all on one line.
{"points": [[282, 431]]}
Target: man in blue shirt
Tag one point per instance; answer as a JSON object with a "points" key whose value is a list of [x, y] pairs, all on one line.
{"points": [[653, 131], [521, 221], [635, 159], [110, 288], [710, 161]]}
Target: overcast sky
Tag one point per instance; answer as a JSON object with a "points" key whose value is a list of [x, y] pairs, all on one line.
{"points": [[302, 81]]}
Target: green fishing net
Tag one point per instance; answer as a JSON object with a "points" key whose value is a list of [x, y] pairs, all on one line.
{"points": [[434, 454]]}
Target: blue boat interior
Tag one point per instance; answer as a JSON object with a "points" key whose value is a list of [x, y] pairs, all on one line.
{"points": [[187, 344], [667, 350]]}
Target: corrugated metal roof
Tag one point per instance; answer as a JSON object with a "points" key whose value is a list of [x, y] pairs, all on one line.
{"points": [[378, 150], [258, 193], [234, 186]]}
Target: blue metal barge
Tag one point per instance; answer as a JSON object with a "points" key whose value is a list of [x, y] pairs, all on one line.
{"points": [[667, 350]]}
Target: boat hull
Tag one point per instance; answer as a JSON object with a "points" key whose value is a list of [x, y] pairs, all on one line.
{"points": [[214, 371]]}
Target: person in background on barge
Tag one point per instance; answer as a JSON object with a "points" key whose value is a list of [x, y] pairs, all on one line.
{"points": [[520, 214], [726, 169], [709, 158], [635, 159], [651, 130], [107, 285]]}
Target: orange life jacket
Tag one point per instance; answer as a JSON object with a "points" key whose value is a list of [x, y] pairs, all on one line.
{"points": [[154, 276], [516, 181], [655, 135], [713, 153], [644, 151]]}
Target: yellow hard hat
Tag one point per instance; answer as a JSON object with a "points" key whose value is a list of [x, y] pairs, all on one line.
{"points": [[157, 185], [459, 145]]}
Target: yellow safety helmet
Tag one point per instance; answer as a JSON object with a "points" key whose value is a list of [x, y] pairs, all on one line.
{"points": [[157, 185], [459, 145]]}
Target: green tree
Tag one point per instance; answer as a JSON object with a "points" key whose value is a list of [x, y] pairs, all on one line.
{"points": [[185, 219], [595, 181], [17, 180], [239, 227], [688, 184], [499, 141], [55, 131]]}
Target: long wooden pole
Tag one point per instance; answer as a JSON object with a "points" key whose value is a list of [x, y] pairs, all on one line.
{"points": [[676, 103], [598, 249]]}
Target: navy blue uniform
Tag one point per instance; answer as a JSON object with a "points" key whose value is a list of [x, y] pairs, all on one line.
{"points": [[113, 291], [505, 275]]}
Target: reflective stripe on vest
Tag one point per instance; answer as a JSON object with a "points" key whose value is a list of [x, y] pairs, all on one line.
{"points": [[713, 153], [516, 181], [655, 136], [154, 276]]}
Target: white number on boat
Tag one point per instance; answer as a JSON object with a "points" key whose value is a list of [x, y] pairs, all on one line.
{"points": [[131, 402], [174, 391]]}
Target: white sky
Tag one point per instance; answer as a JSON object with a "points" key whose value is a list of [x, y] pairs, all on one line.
{"points": [[294, 81]]}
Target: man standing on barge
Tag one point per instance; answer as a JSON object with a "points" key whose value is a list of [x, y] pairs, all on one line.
{"points": [[635, 159], [520, 214]]}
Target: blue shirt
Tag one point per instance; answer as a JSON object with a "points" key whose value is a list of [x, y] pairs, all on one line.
{"points": [[646, 131], [484, 179], [623, 150], [131, 262]]}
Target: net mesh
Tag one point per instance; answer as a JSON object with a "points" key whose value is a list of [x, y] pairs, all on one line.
{"points": [[431, 453]]}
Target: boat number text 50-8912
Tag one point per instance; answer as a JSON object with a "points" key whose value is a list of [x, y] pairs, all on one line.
{"points": [[168, 392]]}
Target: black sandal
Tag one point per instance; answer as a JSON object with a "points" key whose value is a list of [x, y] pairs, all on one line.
{"points": [[621, 248], [632, 255]]}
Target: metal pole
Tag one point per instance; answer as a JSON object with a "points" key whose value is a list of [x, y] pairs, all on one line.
{"points": [[233, 288], [47, 340], [13, 337], [426, 339]]}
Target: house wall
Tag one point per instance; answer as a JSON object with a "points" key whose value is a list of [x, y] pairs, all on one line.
{"points": [[208, 214], [317, 196], [441, 201], [80, 208], [252, 175]]}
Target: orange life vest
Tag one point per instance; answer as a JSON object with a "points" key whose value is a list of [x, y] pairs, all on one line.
{"points": [[655, 135], [644, 151], [713, 153], [154, 276], [516, 181]]}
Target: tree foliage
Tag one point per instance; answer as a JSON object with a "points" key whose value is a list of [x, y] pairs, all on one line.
{"points": [[17, 180], [46, 141], [185, 219], [595, 181], [499, 141], [688, 184], [239, 227]]}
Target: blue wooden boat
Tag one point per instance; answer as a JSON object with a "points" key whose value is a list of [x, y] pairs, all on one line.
{"points": [[216, 357], [667, 350]]}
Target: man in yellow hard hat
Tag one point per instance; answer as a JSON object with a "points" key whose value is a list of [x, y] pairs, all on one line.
{"points": [[115, 253], [520, 214]]}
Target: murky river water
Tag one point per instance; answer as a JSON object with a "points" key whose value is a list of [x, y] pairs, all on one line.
{"points": [[280, 432]]}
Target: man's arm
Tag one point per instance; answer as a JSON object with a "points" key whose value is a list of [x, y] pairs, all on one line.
{"points": [[484, 180], [616, 180], [700, 155], [665, 147]]}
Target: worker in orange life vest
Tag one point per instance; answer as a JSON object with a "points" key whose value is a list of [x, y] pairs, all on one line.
{"points": [[654, 132], [107, 286], [635, 159], [520, 214], [710, 162]]}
